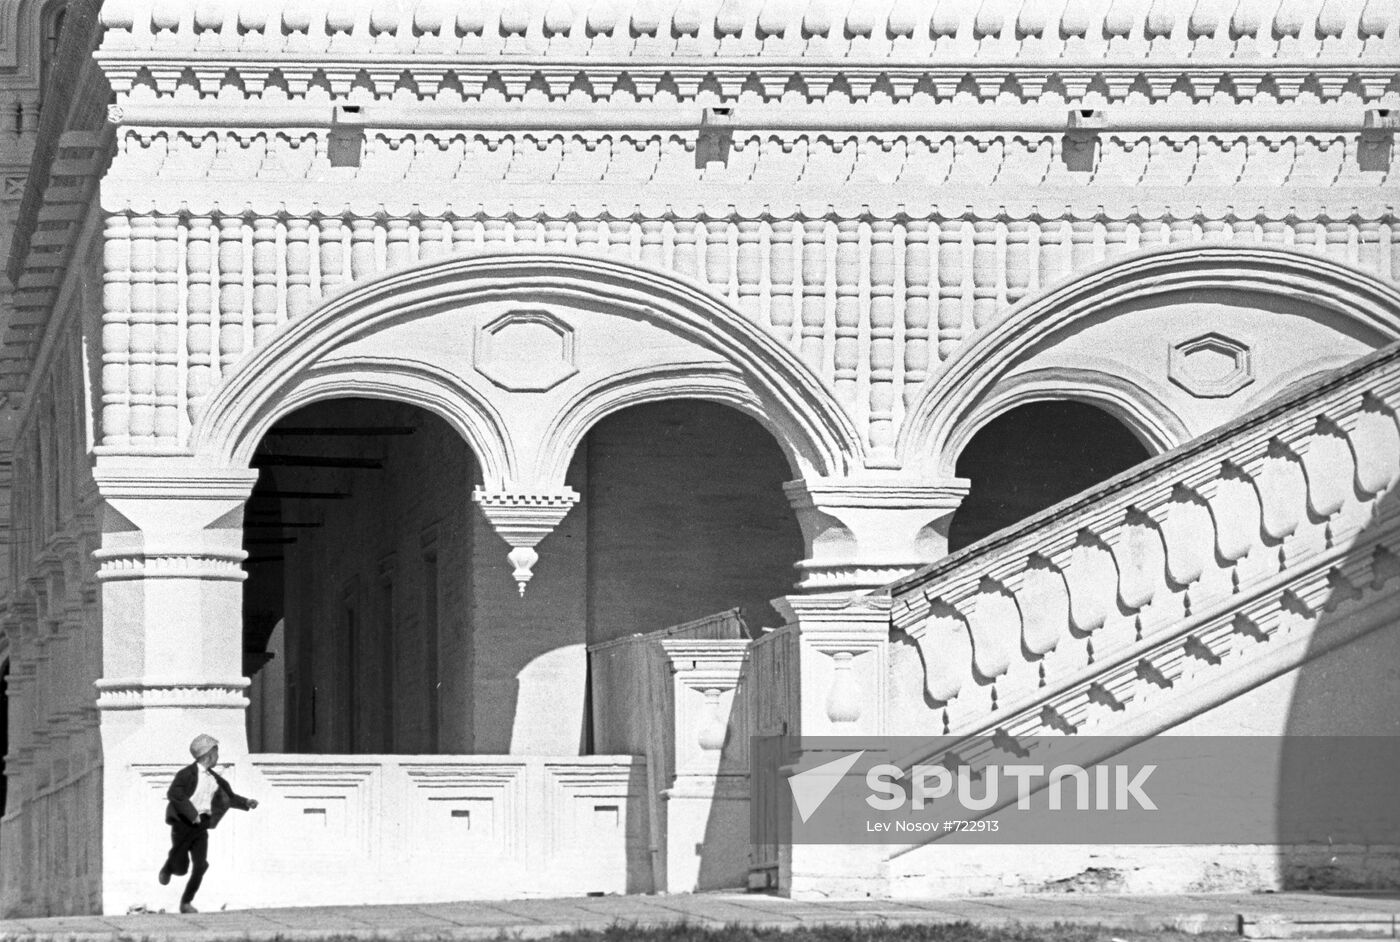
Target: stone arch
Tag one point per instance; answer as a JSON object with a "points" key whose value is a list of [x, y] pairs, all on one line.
{"points": [[715, 353], [978, 384]]}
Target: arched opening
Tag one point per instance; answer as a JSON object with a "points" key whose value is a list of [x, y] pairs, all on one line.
{"points": [[354, 639], [686, 517], [1034, 456]]}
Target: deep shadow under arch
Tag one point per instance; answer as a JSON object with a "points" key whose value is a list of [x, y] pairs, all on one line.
{"points": [[1033, 457]]}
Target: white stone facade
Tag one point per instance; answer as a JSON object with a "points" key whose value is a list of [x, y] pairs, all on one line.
{"points": [[872, 228]]}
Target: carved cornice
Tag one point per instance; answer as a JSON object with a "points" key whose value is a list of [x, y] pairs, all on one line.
{"points": [[683, 48], [117, 565], [138, 694]]}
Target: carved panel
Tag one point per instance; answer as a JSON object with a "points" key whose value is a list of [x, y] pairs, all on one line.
{"points": [[1211, 366], [526, 351]]}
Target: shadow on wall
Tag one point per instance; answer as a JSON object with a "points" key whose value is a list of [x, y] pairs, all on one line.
{"points": [[1336, 789]]}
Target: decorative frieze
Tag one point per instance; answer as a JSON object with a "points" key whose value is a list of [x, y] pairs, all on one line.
{"points": [[650, 168], [830, 280], [677, 48]]}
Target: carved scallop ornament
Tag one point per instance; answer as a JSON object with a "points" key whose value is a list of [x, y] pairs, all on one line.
{"points": [[1211, 366], [526, 351]]}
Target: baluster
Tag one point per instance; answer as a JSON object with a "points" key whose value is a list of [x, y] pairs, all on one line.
{"points": [[1274, 232], [495, 235], [1182, 230], [397, 248], [1243, 230], [116, 331], [467, 235], [950, 287], [1338, 241], [1115, 238], [591, 235], [525, 232], [1368, 249], [847, 309], [166, 331], [653, 247], [1307, 236], [814, 293], [882, 334], [1052, 252], [620, 239], [1018, 260], [298, 267], [230, 291], [717, 255], [917, 274], [556, 234], [199, 311], [1153, 234], [362, 251], [432, 239], [781, 313], [265, 296], [985, 272], [1082, 251], [1214, 230], [684, 256], [143, 328], [331, 240], [749, 269]]}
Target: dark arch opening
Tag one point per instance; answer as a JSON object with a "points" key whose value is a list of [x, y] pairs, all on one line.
{"points": [[351, 632], [686, 517], [1033, 457]]}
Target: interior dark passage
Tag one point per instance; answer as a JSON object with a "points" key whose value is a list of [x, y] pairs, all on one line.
{"points": [[686, 517], [1034, 456], [359, 505]]}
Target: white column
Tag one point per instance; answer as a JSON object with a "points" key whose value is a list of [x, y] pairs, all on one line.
{"points": [[171, 581]]}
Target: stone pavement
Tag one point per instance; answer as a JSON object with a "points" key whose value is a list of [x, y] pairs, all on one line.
{"points": [[1270, 915]]}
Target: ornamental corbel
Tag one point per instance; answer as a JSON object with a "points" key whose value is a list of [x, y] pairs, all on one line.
{"points": [[523, 519]]}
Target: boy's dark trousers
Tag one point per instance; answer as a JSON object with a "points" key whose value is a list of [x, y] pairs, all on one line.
{"points": [[188, 843]]}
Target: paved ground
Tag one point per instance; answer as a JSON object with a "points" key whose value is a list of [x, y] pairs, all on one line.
{"points": [[1282, 915]]}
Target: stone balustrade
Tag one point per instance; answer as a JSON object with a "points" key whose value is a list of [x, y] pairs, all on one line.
{"points": [[1203, 556], [899, 48]]}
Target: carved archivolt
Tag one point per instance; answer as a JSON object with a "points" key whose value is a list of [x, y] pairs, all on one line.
{"points": [[968, 391], [295, 367]]}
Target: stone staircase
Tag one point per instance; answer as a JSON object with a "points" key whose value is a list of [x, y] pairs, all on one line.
{"points": [[1185, 580], [1163, 598]]}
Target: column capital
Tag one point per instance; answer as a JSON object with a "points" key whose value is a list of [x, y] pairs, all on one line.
{"points": [[863, 533]]}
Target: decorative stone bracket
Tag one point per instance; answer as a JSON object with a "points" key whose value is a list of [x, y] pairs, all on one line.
{"points": [[523, 519], [866, 534]]}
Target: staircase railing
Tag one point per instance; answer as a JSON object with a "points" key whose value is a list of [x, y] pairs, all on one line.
{"points": [[1125, 579]]}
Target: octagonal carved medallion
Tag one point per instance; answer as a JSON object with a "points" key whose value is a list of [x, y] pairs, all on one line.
{"points": [[1211, 366], [525, 351]]}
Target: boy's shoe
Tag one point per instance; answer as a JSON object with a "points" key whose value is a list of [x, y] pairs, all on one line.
{"points": [[164, 875], [188, 908]]}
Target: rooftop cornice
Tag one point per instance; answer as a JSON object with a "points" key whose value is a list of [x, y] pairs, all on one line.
{"points": [[859, 30]]}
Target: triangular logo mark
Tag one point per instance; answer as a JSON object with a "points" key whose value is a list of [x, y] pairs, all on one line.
{"points": [[812, 787]]}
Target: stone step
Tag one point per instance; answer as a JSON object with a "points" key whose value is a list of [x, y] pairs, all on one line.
{"points": [[1302, 926]]}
